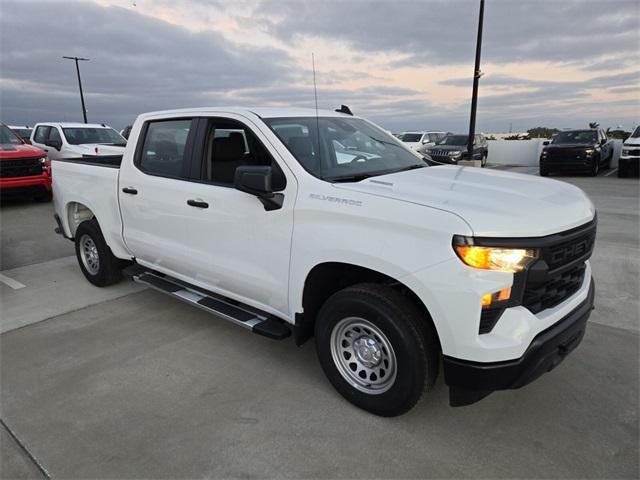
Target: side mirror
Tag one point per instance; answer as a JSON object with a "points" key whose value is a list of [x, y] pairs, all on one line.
{"points": [[256, 180], [603, 141], [546, 142], [57, 144]]}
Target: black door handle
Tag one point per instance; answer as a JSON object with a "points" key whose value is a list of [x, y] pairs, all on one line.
{"points": [[45, 149], [130, 190], [197, 203]]}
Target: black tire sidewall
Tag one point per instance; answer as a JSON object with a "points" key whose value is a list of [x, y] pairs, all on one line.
{"points": [[408, 346], [108, 271]]}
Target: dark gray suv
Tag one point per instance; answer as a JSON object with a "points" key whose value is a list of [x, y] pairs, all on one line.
{"points": [[453, 148]]}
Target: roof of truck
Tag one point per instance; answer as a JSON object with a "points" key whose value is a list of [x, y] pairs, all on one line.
{"points": [[74, 124], [263, 112]]}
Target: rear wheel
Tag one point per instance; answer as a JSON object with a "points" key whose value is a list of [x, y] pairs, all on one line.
{"points": [[376, 348], [97, 262], [622, 170], [43, 197]]}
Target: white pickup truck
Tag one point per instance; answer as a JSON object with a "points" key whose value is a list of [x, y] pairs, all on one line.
{"points": [[286, 221]]}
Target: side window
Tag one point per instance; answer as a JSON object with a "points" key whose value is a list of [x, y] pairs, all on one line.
{"points": [[41, 134], [229, 145], [164, 146], [54, 134]]}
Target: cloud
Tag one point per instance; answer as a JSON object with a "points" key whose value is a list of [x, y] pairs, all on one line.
{"points": [[439, 31]]}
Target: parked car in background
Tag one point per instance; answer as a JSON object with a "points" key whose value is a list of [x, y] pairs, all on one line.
{"points": [[23, 131], [584, 151], [453, 148], [415, 140], [318, 223], [629, 161], [23, 167], [80, 140]]}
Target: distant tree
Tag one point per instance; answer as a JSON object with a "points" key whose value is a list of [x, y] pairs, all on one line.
{"points": [[517, 136], [491, 137], [542, 132], [594, 125]]}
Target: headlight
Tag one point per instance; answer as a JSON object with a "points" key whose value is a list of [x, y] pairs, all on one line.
{"points": [[493, 258], [626, 151], [454, 153], [42, 160], [588, 152]]}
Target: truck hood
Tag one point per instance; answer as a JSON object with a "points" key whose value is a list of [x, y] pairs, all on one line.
{"points": [[632, 141], [90, 149], [20, 151], [492, 203]]}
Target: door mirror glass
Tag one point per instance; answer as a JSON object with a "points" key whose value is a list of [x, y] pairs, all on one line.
{"points": [[57, 144]]}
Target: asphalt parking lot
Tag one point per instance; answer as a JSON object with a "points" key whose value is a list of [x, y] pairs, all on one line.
{"points": [[124, 382]]}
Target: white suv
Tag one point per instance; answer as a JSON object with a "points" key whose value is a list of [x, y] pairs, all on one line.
{"points": [[77, 140], [415, 140], [630, 155]]}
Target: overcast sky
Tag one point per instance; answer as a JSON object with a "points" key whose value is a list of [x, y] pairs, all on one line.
{"points": [[404, 64]]}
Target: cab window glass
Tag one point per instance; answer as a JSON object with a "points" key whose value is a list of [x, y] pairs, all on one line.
{"points": [[229, 145], [41, 134], [54, 134], [164, 146]]}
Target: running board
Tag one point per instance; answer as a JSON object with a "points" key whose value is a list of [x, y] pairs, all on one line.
{"points": [[259, 323]]}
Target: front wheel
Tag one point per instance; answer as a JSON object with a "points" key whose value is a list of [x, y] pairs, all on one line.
{"points": [[97, 262], [595, 168], [376, 348], [483, 160]]}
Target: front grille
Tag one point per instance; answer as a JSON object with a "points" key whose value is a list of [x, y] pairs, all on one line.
{"points": [[555, 290], [633, 153], [23, 167], [560, 271]]}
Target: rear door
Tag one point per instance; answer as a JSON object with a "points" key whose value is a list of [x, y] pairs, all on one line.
{"points": [[153, 192]]}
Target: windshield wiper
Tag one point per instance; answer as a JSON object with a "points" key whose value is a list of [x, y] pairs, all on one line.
{"points": [[357, 177]]}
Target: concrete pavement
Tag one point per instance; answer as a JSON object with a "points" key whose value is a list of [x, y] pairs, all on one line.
{"points": [[140, 385]]}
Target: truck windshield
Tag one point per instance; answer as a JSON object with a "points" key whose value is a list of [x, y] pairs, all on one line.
{"points": [[636, 133], [85, 135], [454, 140], [580, 137], [410, 137], [7, 137], [343, 149]]}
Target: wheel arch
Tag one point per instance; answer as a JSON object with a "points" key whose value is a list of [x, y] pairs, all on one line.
{"points": [[75, 214], [327, 278]]}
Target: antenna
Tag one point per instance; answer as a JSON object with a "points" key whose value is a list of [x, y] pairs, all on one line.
{"points": [[315, 93]]}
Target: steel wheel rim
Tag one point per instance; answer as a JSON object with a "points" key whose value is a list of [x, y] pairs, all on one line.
{"points": [[89, 254], [363, 355]]}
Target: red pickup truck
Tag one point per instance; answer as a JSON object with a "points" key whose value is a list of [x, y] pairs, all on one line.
{"points": [[23, 167]]}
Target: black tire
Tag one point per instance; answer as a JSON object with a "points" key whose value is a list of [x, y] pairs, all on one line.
{"points": [[411, 336], [109, 268], [595, 168], [544, 172], [43, 197], [483, 160], [622, 170]]}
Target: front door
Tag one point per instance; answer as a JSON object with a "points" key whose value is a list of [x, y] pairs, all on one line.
{"points": [[243, 250]]}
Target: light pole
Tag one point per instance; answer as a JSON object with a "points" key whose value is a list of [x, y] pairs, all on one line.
{"points": [[77, 59], [476, 77]]}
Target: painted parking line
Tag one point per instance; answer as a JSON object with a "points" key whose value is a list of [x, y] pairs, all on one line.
{"points": [[11, 282], [611, 172]]}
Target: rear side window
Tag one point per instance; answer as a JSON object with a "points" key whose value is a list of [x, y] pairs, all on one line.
{"points": [[163, 152], [41, 134]]}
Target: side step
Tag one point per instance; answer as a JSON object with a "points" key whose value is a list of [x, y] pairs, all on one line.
{"points": [[260, 323]]}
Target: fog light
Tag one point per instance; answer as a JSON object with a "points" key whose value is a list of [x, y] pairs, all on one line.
{"points": [[490, 299]]}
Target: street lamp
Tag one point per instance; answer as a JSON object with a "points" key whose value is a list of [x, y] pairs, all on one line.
{"points": [[77, 59], [476, 77]]}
